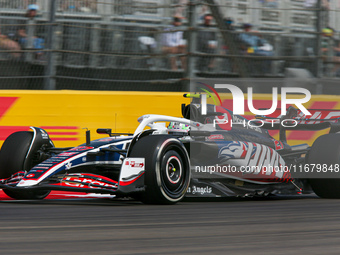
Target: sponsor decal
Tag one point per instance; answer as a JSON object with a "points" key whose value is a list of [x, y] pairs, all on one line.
{"points": [[132, 169], [136, 164], [81, 182], [44, 135], [66, 154], [215, 137], [130, 179], [199, 190], [81, 148]]}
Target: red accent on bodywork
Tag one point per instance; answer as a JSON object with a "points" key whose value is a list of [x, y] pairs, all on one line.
{"points": [[99, 176], [123, 183], [244, 153]]}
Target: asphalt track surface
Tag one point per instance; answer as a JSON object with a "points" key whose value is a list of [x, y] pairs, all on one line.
{"points": [[281, 225]]}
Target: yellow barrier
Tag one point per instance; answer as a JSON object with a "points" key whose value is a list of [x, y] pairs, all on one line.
{"points": [[64, 114]]}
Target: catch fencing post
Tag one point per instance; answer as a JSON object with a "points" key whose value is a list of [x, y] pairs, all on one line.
{"points": [[318, 60], [191, 44], [50, 69]]}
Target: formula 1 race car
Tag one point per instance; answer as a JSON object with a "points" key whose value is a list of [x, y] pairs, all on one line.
{"points": [[214, 155]]}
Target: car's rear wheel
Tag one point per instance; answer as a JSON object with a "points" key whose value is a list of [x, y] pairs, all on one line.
{"points": [[167, 168], [13, 159], [325, 154]]}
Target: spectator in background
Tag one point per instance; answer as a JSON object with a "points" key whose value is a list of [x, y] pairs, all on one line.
{"points": [[230, 27], [229, 22], [174, 43], [32, 11], [24, 36], [148, 45], [8, 44], [206, 43], [331, 49], [253, 44], [229, 65], [249, 40]]}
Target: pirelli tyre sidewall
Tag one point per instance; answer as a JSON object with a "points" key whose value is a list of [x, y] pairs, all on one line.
{"points": [[167, 168]]}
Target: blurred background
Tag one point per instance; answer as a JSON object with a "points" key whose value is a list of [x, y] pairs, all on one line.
{"points": [[159, 45]]}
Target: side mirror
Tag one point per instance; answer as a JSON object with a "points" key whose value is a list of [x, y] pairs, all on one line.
{"points": [[106, 131]]}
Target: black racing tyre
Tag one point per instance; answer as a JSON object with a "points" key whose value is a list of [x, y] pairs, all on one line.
{"points": [[12, 158], [167, 168], [326, 152]]}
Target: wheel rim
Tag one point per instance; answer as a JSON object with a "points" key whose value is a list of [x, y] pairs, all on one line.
{"points": [[173, 170], [173, 176]]}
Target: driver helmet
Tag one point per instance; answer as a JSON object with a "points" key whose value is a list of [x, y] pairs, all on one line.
{"points": [[178, 128]]}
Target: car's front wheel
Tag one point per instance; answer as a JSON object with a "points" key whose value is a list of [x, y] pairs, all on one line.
{"points": [[167, 168], [13, 158]]}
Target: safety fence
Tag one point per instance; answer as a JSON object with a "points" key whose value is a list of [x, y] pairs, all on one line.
{"points": [[135, 44]]}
